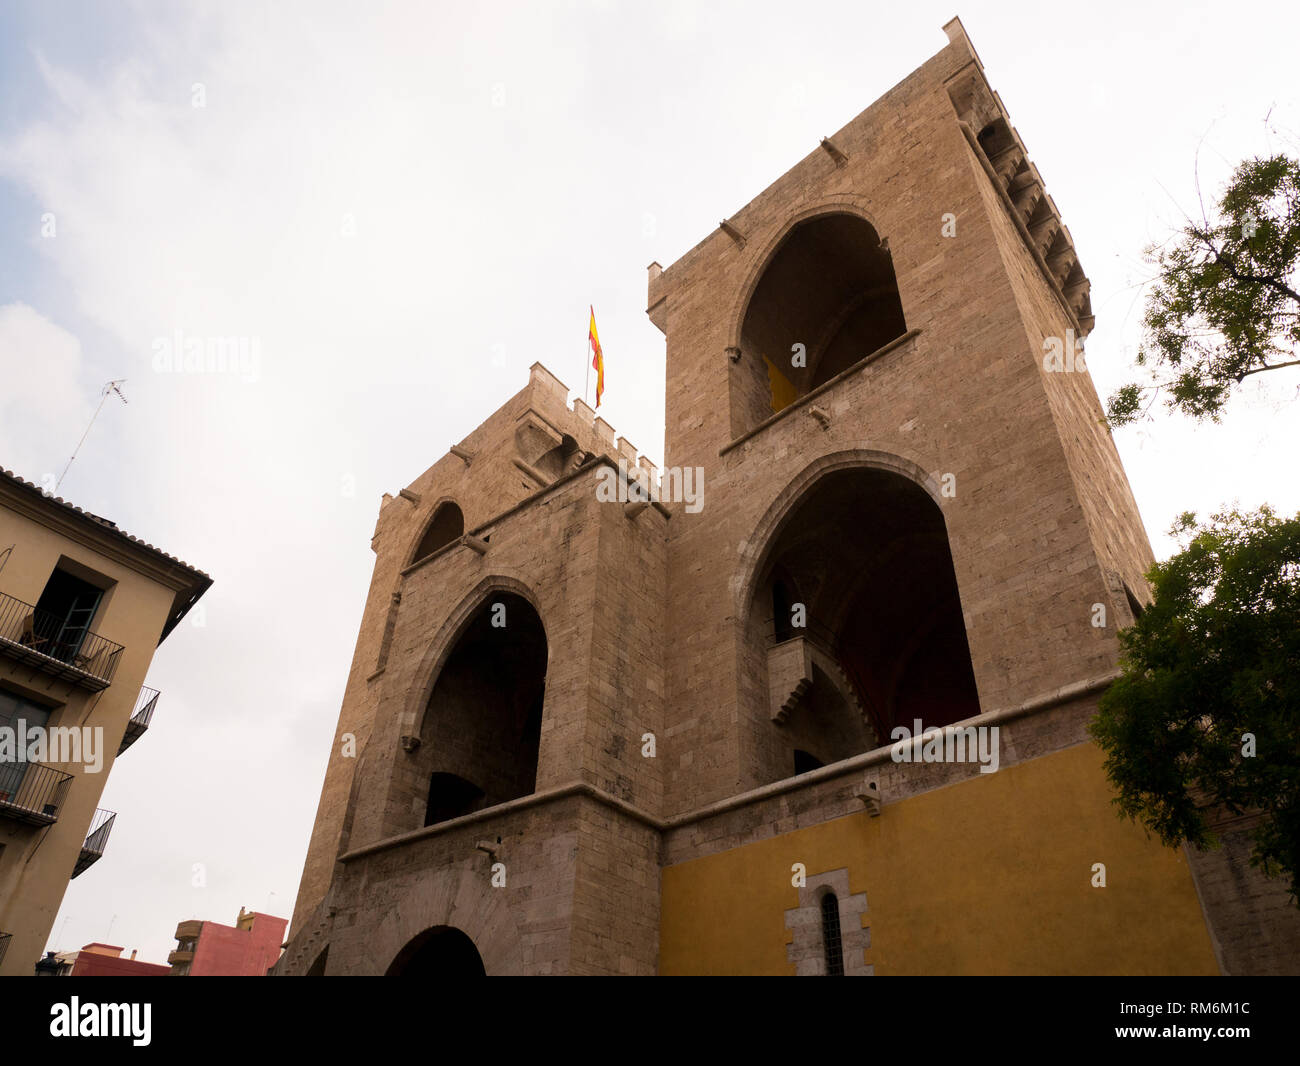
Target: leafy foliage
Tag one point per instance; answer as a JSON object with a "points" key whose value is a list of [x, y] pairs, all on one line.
{"points": [[1224, 304], [1215, 657]]}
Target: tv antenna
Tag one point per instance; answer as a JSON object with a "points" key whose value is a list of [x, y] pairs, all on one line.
{"points": [[111, 388]]}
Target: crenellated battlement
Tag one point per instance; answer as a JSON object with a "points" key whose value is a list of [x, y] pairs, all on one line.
{"points": [[529, 443]]}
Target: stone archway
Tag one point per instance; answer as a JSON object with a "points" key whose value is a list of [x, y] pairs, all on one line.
{"points": [[446, 525], [883, 640], [440, 952], [458, 896], [827, 297], [480, 733]]}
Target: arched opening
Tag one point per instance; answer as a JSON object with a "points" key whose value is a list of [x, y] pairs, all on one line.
{"points": [[438, 952], [482, 728], [784, 598], [447, 525], [830, 288], [450, 796], [317, 968], [805, 763], [832, 942], [884, 641], [560, 460]]}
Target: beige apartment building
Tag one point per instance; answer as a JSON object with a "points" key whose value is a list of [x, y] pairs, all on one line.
{"points": [[83, 605]]}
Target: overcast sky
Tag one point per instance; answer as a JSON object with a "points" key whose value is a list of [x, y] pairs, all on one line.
{"points": [[404, 206]]}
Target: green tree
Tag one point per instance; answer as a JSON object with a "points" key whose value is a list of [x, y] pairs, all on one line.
{"points": [[1206, 711], [1224, 304]]}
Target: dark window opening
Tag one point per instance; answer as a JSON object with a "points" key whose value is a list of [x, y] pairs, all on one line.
{"points": [[831, 935], [450, 796], [868, 552], [782, 607], [20, 718], [827, 298], [995, 137], [447, 525], [64, 614], [442, 952], [803, 762], [482, 728]]}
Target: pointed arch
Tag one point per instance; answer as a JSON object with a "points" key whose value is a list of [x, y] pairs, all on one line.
{"points": [[863, 536], [439, 952], [832, 941], [758, 546], [823, 296], [446, 524], [478, 709], [442, 643]]}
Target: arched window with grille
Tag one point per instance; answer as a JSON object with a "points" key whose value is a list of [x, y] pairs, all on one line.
{"points": [[834, 946]]}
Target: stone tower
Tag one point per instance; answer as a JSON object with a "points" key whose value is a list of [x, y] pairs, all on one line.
{"points": [[589, 733]]}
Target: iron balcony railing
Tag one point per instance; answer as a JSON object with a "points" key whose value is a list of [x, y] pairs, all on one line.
{"points": [[32, 793], [46, 641], [4, 945], [96, 841], [140, 718]]}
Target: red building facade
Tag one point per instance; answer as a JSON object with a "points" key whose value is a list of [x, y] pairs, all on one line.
{"points": [[247, 949], [104, 960]]}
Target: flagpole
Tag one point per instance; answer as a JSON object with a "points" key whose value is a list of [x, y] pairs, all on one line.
{"points": [[587, 385]]}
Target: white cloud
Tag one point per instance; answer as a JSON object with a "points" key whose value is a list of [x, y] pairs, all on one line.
{"points": [[43, 406]]}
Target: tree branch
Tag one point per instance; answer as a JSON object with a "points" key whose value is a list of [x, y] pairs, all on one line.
{"points": [[1271, 366], [1231, 267]]}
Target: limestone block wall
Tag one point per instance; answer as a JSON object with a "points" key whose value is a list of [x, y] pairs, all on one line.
{"points": [[1104, 493], [595, 579], [529, 444], [616, 895], [1256, 927], [384, 900], [963, 397]]}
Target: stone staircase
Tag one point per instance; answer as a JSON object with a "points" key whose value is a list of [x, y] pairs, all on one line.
{"points": [[790, 672], [310, 940]]}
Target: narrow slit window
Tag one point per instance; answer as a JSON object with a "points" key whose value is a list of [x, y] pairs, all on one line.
{"points": [[831, 935]]}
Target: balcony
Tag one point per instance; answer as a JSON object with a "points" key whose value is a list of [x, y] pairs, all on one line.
{"points": [[140, 718], [46, 642], [189, 929], [4, 945], [32, 793], [96, 841]]}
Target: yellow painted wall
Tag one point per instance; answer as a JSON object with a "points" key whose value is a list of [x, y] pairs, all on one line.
{"points": [[989, 876]]}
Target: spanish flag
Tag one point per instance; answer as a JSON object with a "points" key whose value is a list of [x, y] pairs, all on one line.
{"points": [[597, 359]]}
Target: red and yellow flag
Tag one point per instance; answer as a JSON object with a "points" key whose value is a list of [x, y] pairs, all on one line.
{"points": [[597, 359]]}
